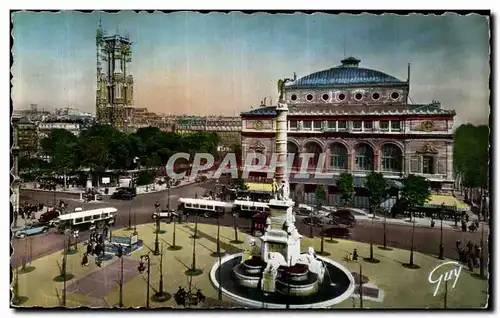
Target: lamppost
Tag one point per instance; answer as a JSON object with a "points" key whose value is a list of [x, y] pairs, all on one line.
{"points": [[235, 226], [311, 235], [218, 253], [76, 235], [193, 271], [157, 242], [160, 295], [141, 269], [441, 247], [129, 213]]}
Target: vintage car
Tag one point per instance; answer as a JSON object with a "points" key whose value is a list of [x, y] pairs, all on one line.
{"points": [[343, 217], [31, 230], [122, 194], [165, 214], [336, 232]]}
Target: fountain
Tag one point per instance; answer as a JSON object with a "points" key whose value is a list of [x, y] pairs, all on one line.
{"points": [[277, 274]]}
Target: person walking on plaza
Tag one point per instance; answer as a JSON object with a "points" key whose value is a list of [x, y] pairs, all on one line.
{"points": [[355, 255]]}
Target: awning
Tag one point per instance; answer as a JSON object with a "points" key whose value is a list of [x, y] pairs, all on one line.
{"points": [[359, 182], [264, 187], [437, 200]]}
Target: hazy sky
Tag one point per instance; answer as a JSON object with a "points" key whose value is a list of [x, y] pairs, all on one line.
{"points": [[191, 63]]}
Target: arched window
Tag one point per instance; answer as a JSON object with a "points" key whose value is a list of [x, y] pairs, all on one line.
{"points": [[391, 158], [364, 157], [314, 148], [338, 159], [292, 149]]}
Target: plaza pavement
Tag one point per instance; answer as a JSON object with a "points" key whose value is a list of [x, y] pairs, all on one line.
{"points": [[91, 286]]}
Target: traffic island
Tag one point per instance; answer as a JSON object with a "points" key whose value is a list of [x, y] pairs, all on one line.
{"points": [[96, 287]]}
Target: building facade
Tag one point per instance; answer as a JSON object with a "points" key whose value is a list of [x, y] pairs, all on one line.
{"points": [[16, 181], [361, 119], [115, 91], [227, 128]]}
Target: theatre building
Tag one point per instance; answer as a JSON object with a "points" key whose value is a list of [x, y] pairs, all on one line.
{"points": [[362, 120]]}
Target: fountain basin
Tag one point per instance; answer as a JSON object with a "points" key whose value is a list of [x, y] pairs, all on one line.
{"points": [[337, 286], [303, 285]]}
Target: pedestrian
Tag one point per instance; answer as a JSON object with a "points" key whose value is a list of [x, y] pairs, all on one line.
{"points": [[467, 218], [89, 247], [355, 255], [464, 226], [470, 265], [85, 259]]}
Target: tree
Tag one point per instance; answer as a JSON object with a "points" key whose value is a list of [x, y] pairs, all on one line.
{"points": [[345, 183], [416, 191], [471, 159], [240, 184], [95, 155], [64, 159], [377, 186]]}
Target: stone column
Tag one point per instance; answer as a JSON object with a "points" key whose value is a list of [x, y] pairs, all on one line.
{"points": [[350, 161], [449, 160]]}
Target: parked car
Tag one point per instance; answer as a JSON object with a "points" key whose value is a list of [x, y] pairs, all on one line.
{"points": [[337, 232], [165, 214], [49, 216], [132, 190], [122, 195], [316, 221], [31, 230]]}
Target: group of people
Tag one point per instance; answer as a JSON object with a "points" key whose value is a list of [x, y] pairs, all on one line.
{"points": [[95, 247], [352, 257], [465, 221], [28, 210], [469, 255], [183, 298]]}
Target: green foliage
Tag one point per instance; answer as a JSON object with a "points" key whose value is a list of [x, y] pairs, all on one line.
{"points": [[416, 190], [345, 183], [320, 195], [102, 147], [377, 185], [471, 155], [145, 177], [240, 184]]}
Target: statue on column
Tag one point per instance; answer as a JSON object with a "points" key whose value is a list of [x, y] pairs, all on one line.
{"points": [[281, 87]]}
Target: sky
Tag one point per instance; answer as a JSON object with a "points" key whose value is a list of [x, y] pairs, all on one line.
{"points": [[218, 63]]}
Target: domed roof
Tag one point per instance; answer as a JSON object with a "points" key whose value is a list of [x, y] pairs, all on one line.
{"points": [[349, 73]]}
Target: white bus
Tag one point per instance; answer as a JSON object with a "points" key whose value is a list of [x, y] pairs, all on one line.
{"points": [[82, 220], [209, 208], [248, 209]]}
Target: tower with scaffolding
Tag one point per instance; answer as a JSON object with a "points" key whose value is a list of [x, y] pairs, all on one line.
{"points": [[115, 92]]}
